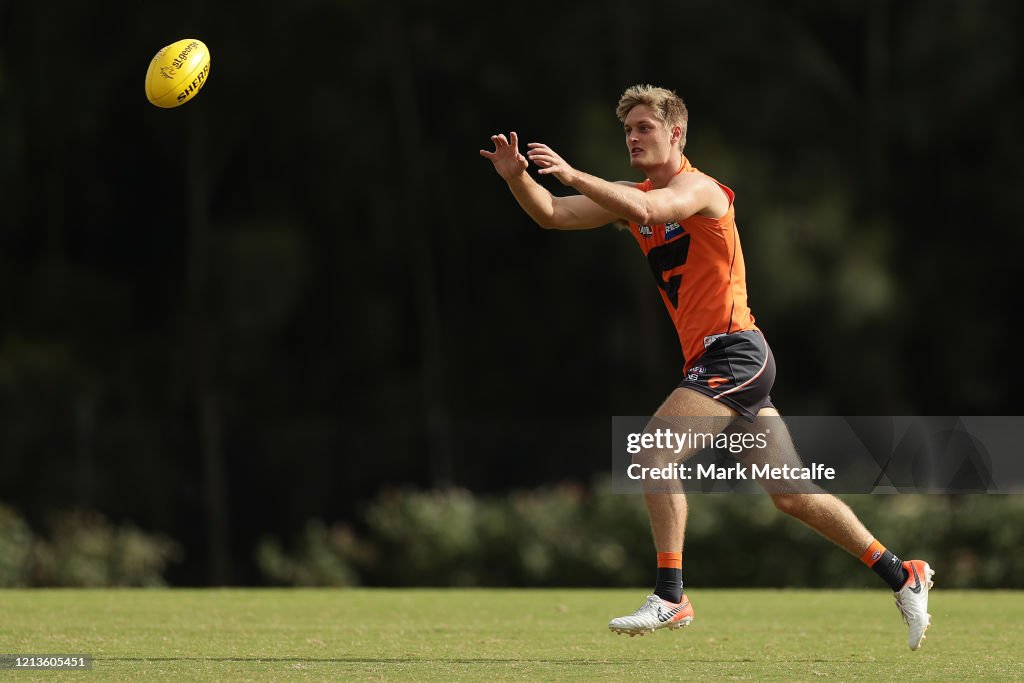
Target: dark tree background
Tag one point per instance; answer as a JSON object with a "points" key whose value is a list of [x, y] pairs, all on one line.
{"points": [[222, 320]]}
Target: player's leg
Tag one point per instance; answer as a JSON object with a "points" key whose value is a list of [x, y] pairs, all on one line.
{"points": [[668, 605], [823, 512], [833, 519], [667, 509]]}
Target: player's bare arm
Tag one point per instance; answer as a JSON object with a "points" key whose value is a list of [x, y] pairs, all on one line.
{"points": [[564, 213], [685, 195]]}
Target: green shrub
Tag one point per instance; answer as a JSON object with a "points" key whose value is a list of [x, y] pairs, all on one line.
{"points": [[569, 535], [322, 559], [86, 550], [15, 549]]}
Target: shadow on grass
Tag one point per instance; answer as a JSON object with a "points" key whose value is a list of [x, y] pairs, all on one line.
{"points": [[458, 660]]}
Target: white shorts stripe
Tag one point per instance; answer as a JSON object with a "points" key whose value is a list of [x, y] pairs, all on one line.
{"points": [[740, 386]]}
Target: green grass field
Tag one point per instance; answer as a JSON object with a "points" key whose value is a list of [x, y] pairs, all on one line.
{"points": [[471, 635]]}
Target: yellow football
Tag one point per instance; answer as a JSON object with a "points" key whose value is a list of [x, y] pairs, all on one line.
{"points": [[177, 73]]}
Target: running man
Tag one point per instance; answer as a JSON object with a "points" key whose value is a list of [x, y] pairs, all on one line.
{"points": [[684, 221]]}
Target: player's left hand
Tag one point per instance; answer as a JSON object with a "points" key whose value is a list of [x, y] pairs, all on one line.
{"points": [[548, 162]]}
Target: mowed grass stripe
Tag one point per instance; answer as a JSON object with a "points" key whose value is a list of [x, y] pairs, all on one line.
{"points": [[439, 634]]}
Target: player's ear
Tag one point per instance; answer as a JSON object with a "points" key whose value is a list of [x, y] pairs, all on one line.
{"points": [[677, 134]]}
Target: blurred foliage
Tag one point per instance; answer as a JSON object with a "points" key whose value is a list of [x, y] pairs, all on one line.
{"points": [[15, 549], [571, 536], [83, 549], [325, 557], [314, 247]]}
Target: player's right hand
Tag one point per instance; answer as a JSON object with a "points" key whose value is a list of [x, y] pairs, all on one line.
{"points": [[507, 160]]}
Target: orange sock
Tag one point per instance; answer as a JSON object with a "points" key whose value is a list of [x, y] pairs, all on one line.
{"points": [[873, 553], [670, 560], [884, 563]]}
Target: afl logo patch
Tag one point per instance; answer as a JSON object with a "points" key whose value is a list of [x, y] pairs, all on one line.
{"points": [[645, 231]]}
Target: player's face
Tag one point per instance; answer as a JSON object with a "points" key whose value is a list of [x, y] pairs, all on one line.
{"points": [[648, 140]]}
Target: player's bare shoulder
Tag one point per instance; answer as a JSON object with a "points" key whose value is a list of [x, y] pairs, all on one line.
{"points": [[705, 195]]}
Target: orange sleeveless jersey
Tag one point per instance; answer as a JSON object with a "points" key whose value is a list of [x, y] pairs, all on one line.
{"points": [[698, 265]]}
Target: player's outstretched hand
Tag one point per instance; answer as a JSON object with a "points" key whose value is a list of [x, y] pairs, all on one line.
{"points": [[549, 162], [507, 160]]}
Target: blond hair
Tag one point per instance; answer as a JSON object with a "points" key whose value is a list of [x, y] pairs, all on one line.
{"points": [[668, 107]]}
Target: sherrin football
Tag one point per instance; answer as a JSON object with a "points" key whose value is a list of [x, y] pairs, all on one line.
{"points": [[177, 73]]}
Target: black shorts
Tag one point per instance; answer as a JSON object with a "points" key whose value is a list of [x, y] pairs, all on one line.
{"points": [[737, 369]]}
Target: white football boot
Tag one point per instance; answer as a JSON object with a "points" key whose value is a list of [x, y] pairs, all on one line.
{"points": [[654, 614], [912, 600]]}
